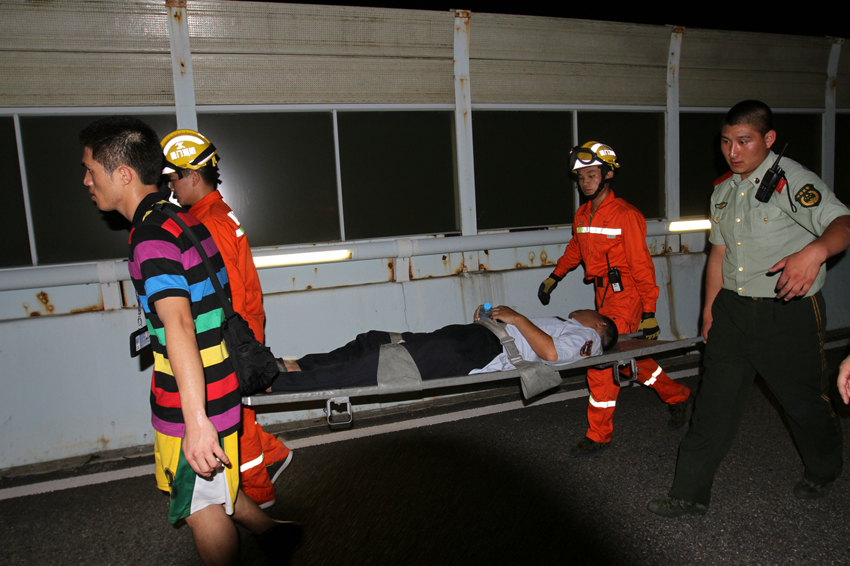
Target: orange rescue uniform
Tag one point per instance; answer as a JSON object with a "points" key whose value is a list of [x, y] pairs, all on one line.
{"points": [[257, 448], [616, 233]]}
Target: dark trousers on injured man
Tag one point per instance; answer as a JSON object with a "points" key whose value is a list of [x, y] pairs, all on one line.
{"points": [[448, 352], [782, 342]]}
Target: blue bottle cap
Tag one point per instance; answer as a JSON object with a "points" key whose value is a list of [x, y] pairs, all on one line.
{"points": [[487, 306]]}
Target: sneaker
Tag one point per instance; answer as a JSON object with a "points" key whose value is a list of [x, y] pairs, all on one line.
{"points": [[672, 507], [678, 415], [276, 468], [279, 542], [807, 489], [587, 446]]}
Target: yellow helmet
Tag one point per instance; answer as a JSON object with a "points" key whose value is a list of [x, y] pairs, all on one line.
{"points": [[593, 154], [186, 149]]}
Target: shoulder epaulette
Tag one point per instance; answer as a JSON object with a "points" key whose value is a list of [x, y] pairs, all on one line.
{"points": [[722, 178]]}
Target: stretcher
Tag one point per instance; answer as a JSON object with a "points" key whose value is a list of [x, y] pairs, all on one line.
{"points": [[626, 351]]}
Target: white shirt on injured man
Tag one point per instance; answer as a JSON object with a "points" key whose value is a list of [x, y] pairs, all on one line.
{"points": [[571, 342]]}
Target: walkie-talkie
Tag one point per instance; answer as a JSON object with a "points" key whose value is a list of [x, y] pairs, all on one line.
{"points": [[771, 179]]}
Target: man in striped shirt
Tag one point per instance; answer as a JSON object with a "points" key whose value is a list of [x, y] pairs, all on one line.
{"points": [[195, 397]]}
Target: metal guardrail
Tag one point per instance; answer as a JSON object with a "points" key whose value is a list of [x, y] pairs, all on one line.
{"points": [[110, 271]]}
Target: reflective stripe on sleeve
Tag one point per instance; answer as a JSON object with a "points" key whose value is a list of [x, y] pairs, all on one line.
{"points": [[595, 230], [601, 404]]}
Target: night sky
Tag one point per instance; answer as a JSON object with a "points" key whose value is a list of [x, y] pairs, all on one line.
{"points": [[803, 19]]}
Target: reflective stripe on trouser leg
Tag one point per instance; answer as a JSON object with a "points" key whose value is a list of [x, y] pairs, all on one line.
{"points": [[254, 478], [601, 404], [274, 450], [253, 463], [670, 391], [651, 379]]}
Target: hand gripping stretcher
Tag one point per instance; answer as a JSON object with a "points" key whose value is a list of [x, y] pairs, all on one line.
{"points": [[397, 373]]}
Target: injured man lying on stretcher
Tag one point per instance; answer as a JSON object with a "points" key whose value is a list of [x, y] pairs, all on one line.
{"points": [[455, 350]]}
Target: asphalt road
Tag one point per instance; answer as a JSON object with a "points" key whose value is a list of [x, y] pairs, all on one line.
{"points": [[495, 489]]}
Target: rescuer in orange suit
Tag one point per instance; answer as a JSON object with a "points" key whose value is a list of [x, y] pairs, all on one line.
{"points": [[190, 164], [609, 235]]}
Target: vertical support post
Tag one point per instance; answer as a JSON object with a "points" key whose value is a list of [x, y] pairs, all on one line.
{"points": [[25, 188], [671, 143], [401, 264], [110, 286], [576, 193], [828, 153], [338, 177], [463, 126], [181, 64]]}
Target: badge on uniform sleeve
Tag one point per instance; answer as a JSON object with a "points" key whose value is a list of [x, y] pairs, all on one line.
{"points": [[587, 349], [808, 196]]}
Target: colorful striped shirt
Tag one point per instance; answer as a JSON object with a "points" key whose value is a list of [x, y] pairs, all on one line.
{"points": [[164, 263]]}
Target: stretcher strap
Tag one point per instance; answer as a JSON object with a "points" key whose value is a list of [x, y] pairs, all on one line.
{"points": [[397, 371], [506, 340], [535, 377]]}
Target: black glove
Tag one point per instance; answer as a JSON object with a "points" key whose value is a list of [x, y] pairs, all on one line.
{"points": [[649, 326], [547, 287]]}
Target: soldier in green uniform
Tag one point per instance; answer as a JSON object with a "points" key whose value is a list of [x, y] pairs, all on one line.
{"points": [[764, 312]]}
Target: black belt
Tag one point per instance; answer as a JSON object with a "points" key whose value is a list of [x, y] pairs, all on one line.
{"points": [[600, 280], [756, 299]]}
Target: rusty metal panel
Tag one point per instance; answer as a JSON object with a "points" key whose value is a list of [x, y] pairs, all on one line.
{"points": [[525, 257], [293, 29], [440, 265], [50, 301]]}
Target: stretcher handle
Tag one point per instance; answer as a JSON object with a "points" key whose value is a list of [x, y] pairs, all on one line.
{"points": [[339, 419]]}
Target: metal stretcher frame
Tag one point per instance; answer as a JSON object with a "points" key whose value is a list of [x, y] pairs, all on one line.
{"points": [[624, 353]]}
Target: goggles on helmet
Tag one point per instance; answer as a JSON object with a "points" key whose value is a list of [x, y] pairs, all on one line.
{"points": [[593, 154]]}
